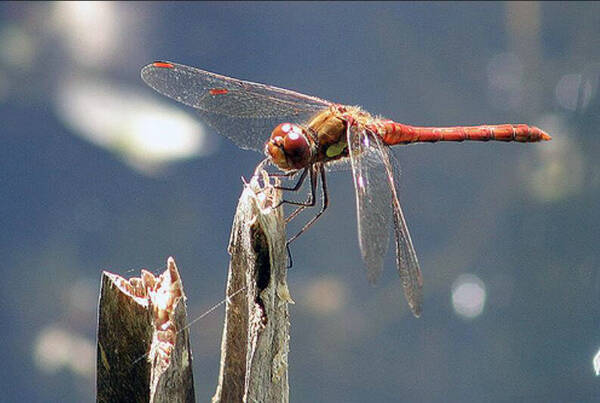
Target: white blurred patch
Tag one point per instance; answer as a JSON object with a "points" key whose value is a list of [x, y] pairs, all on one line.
{"points": [[57, 349], [468, 296], [145, 132], [558, 169], [91, 30], [573, 92], [596, 362], [505, 81], [325, 296]]}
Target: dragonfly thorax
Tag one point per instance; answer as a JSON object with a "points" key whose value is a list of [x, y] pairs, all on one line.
{"points": [[330, 128]]}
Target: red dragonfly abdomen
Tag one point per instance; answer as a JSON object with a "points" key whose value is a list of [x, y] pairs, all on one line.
{"points": [[397, 133]]}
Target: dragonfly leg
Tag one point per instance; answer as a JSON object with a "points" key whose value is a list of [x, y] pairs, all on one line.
{"points": [[293, 188], [283, 174], [324, 202], [279, 175], [295, 213], [308, 203]]}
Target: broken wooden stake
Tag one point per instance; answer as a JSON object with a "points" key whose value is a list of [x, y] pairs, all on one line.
{"points": [[255, 344], [143, 350]]}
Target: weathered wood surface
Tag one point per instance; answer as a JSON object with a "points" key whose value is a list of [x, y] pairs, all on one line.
{"points": [[143, 350], [255, 344]]}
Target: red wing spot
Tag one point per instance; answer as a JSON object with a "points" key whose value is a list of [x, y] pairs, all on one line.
{"points": [[163, 65], [218, 91]]}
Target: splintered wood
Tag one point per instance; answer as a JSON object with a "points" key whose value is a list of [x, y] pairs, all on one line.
{"points": [[143, 346], [255, 344], [143, 352]]}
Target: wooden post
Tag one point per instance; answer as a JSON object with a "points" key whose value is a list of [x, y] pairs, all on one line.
{"points": [[255, 342], [143, 350]]}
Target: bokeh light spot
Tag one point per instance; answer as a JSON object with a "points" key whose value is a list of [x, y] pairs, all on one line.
{"points": [[145, 132], [558, 170], [325, 296], [468, 296], [90, 29], [596, 362], [56, 349]]}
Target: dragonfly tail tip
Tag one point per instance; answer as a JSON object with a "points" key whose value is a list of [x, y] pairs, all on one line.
{"points": [[544, 136]]}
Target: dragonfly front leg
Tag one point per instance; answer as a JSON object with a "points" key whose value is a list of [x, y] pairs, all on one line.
{"points": [[294, 189], [283, 174], [310, 201]]}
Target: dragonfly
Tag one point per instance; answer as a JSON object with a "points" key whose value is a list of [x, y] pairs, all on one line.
{"points": [[310, 136]]}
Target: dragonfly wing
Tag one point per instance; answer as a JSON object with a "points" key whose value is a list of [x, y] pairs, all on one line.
{"points": [[243, 111], [373, 200], [406, 257], [246, 133], [343, 164]]}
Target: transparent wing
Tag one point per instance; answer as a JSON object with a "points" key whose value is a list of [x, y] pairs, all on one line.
{"points": [[243, 111], [406, 257], [373, 199], [343, 164]]}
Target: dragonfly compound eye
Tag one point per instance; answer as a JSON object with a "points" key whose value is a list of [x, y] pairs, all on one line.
{"points": [[288, 146]]}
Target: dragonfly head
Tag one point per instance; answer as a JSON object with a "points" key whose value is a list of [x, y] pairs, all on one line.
{"points": [[289, 147]]}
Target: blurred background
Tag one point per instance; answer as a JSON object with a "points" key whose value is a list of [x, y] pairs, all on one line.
{"points": [[99, 172]]}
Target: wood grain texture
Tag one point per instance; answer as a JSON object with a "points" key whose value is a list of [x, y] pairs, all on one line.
{"points": [[143, 350], [255, 340]]}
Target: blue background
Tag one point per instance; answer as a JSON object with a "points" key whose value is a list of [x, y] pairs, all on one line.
{"points": [[522, 218]]}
